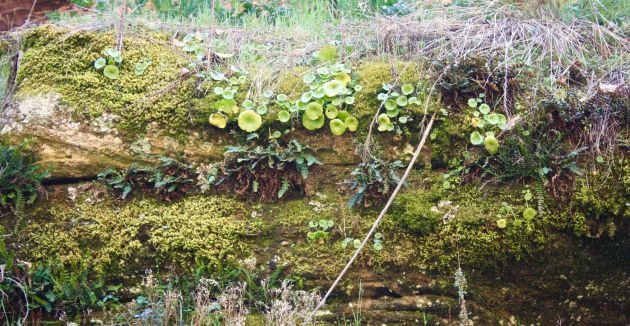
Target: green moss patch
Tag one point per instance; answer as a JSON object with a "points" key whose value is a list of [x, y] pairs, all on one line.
{"points": [[142, 234], [62, 62]]}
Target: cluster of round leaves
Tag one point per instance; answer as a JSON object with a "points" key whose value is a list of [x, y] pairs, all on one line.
{"points": [[227, 107], [193, 43], [487, 122], [506, 210], [110, 63], [356, 243], [320, 230], [197, 45], [331, 92], [396, 102]]}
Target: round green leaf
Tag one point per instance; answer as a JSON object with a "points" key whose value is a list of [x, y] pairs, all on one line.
{"points": [[393, 113], [358, 88], [491, 144], [100, 63], [406, 89], [343, 115], [228, 93], [331, 112], [478, 122], [308, 78], [249, 120], [386, 127], [501, 223], [282, 98], [248, 104], [306, 97], [383, 119], [333, 88], [337, 127], [218, 120], [313, 110], [261, 109], [529, 213], [313, 124], [323, 71], [484, 108], [476, 138], [343, 78], [319, 92], [349, 100], [401, 100], [352, 123], [284, 116], [111, 72], [390, 104], [492, 118], [226, 106], [378, 246], [472, 102]]}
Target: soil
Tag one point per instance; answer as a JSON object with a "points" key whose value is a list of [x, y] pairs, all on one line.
{"points": [[14, 13]]}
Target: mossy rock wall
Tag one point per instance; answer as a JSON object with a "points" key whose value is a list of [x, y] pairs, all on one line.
{"points": [[85, 121], [82, 123]]}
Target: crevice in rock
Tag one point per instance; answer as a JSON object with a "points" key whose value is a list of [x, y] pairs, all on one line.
{"points": [[68, 180]]}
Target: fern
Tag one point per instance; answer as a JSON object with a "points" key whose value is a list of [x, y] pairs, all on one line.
{"points": [[20, 177], [540, 196], [373, 180]]}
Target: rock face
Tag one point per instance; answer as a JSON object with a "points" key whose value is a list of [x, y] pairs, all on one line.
{"points": [[14, 13], [86, 122], [83, 123]]}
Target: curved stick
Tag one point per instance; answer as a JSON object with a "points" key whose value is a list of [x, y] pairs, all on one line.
{"points": [[427, 129]]}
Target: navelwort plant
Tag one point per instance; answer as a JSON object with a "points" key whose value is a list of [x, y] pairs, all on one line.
{"points": [[504, 212], [110, 63], [529, 213], [195, 44], [331, 93], [356, 243], [227, 108], [320, 230], [486, 122], [330, 96], [397, 101]]}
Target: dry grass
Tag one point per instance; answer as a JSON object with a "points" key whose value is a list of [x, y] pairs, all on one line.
{"points": [[289, 307]]}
